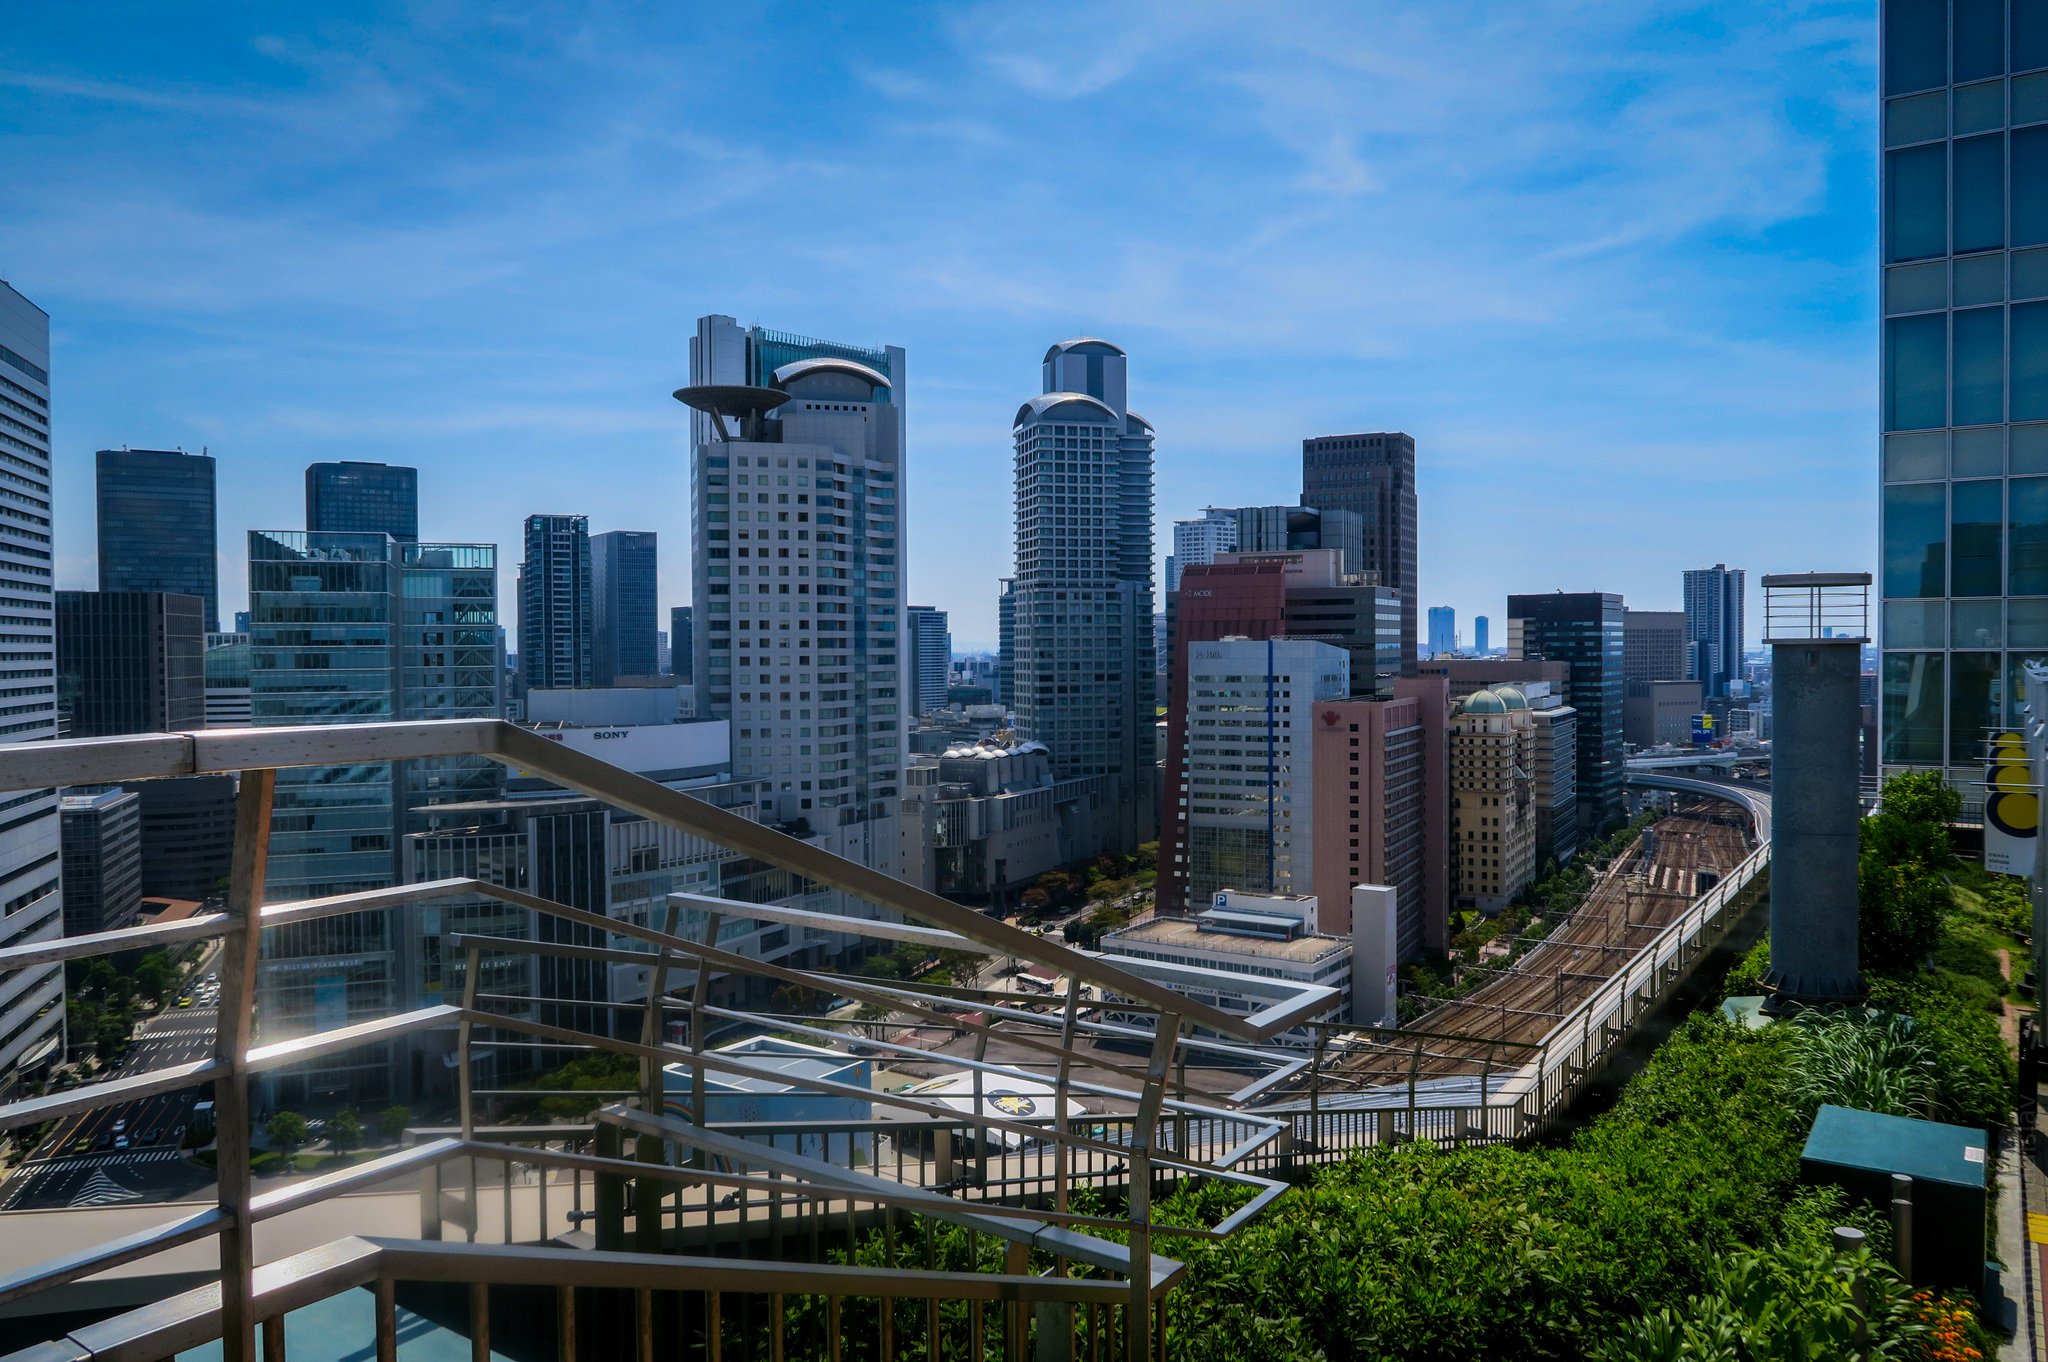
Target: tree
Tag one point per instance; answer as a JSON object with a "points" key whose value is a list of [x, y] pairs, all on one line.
{"points": [[1902, 889], [110, 1035], [392, 1121], [153, 976], [286, 1131], [345, 1130]]}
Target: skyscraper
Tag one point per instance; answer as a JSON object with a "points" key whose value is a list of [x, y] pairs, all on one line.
{"points": [[102, 860], [557, 639], [623, 612], [797, 570], [1443, 630], [1479, 641], [374, 498], [1713, 626], [1273, 528], [32, 1007], [1197, 542], [931, 657], [1964, 376], [1585, 630], [156, 524], [682, 647], [1082, 666], [1373, 474], [130, 662], [1655, 645]]}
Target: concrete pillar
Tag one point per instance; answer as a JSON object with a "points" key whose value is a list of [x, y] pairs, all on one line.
{"points": [[1816, 714]]}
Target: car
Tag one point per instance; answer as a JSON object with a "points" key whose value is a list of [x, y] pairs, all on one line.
{"points": [[120, 1125], [83, 1146], [184, 1002], [120, 1142], [103, 1142], [151, 1136]]}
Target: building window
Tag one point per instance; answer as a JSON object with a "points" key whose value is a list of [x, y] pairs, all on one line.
{"points": [[1913, 708], [1980, 193], [1980, 367], [1975, 704], [1917, 188], [1916, 371], [1914, 540], [1976, 519]]}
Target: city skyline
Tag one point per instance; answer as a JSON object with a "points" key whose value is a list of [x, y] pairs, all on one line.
{"points": [[1741, 312]]}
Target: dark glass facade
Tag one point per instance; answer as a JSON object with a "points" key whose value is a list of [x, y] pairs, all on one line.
{"points": [[1586, 630], [1372, 474], [364, 498], [681, 641], [130, 662], [556, 638], [156, 524], [624, 615], [188, 835]]}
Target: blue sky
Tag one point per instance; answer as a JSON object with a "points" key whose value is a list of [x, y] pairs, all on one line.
{"points": [[1611, 264]]}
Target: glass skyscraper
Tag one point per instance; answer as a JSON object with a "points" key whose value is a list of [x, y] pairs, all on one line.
{"points": [[1965, 374], [1373, 474], [1713, 626], [557, 639], [156, 524], [375, 498], [623, 614], [1588, 630], [1080, 653], [930, 643]]}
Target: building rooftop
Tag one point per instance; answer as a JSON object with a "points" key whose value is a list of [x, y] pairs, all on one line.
{"points": [[1177, 933]]}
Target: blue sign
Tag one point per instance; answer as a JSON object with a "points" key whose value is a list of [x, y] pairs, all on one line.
{"points": [[1703, 728]]}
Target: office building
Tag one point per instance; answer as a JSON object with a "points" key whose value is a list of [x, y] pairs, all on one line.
{"points": [[1493, 806], [363, 498], [682, 642], [1479, 639], [557, 640], [1583, 629], [1006, 639], [241, 624], [1655, 645], [360, 628], [1547, 688], [797, 554], [930, 649], [102, 861], [1323, 603], [156, 524], [1381, 785], [32, 1001], [1244, 776], [1247, 951], [1197, 542], [1713, 626], [1656, 712], [981, 818], [1372, 474], [1272, 529], [623, 613], [1443, 631], [1082, 670], [130, 662], [226, 667], [188, 836]]}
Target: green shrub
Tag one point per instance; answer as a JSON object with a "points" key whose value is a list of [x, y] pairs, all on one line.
{"points": [[1902, 882], [1851, 1059], [1974, 1072]]}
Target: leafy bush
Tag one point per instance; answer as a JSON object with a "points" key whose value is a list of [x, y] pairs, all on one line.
{"points": [[1902, 882], [392, 1121], [345, 1130], [1974, 1072], [1849, 1059], [286, 1131]]}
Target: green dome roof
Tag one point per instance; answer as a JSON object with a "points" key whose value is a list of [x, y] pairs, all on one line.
{"points": [[1486, 702], [1512, 698]]}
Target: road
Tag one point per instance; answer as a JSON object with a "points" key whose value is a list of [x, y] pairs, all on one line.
{"points": [[60, 1174]]}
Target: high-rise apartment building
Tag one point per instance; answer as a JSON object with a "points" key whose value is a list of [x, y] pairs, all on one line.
{"points": [[1372, 474], [1655, 645], [130, 662], [1006, 640], [1197, 542], [930, 647], [363, 498], [156, 524], [1443, 630], [622, 595], [682, 642], [797, 552], [1964, 374], [557, 636], [102, 834], [31, 999], [1082, 671], [1585, 630], [1713, 626]]}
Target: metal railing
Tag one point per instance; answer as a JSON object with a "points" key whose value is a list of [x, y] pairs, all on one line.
{"points": [[649, 1196]]}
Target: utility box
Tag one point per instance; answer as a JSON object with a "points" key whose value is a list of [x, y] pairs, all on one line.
{"points": [[1859, 1151]]}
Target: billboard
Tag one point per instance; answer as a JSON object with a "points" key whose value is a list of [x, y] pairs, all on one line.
{"points": [[1703, 728], [2012, 807]]}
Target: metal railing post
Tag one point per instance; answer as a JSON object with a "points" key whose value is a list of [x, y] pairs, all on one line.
{"points": [[241, 948], [1137, 1344]]}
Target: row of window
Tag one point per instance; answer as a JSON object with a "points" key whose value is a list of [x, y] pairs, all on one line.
{"points": [[1948, 702], [1933, 42], [1952, 368]]}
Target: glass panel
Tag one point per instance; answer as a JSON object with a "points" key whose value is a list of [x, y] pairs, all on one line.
{"points": [[1915, 529], [2027, 536], [1919, 288], [2029, 449], [1977, 514], [1915, 458], [1976, 703], [1912, 708], [2029, 34], [1979, 108], [1917, 192], [1916, 362], [2030, 274], [1979, 279], [1913, 624], [1921, 118], [2016, 677], [2029, 361], [1980, 193], [2030, 186], [1916, 41], [2029, 99], [1978, 624], [1979, 39], [1980, 367], [1980, 453], [2026, 623]]}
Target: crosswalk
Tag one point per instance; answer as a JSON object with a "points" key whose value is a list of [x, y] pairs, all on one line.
{"points": [[121, 1156], [101, 1190]]}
